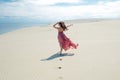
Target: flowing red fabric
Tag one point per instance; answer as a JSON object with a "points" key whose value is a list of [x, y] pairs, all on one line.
{"points": [[65, 42]]}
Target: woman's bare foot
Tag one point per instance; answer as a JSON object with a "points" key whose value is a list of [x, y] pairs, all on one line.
{"points": [[60, 54]]}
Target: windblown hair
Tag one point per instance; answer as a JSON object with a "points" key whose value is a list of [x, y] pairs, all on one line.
{"points": [[63, 26]]}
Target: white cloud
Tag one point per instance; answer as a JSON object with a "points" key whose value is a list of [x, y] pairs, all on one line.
{"points": [[36, 9], [50, 2], [108, 9]]}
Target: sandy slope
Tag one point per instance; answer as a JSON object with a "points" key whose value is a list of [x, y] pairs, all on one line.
{"points": [[31, 53]]}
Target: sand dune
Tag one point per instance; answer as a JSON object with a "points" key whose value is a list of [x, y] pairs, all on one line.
{"points": [[31, 53]]}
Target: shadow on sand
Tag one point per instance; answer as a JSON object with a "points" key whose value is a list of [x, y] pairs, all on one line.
{"points": [[57, 55]]}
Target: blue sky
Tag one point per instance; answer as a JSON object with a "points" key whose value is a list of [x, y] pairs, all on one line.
{"points": [[52, 10]]}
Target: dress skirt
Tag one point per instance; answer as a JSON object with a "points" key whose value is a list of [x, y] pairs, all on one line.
{"points": [[65, 42]]}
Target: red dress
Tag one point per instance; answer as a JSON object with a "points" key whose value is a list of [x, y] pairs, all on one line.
{"points": [[65, 42]]}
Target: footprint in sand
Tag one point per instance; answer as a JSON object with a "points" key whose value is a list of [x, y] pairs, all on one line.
{"points": [[60, 77], [59, 67], [60, 59]]}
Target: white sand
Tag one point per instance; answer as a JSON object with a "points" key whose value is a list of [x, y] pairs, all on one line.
{"points": [[23, 53]]}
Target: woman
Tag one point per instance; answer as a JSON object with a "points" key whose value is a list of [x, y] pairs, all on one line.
{"points": [[64, 42]]}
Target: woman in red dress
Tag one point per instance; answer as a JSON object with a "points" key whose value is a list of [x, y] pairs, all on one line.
{"points": [[64, 42]]}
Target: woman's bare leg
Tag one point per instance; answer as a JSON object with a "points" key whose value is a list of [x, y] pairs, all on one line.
{"points": [[61, 49]]}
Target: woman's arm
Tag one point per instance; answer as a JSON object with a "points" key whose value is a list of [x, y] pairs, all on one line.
{"points": [[70, 25], [55, 26]]}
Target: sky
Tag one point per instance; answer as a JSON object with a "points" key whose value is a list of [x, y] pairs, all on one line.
{"points": [[53, 10]]}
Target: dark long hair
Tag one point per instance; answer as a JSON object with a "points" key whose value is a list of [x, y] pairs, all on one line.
{"points": [[62, 25]]}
